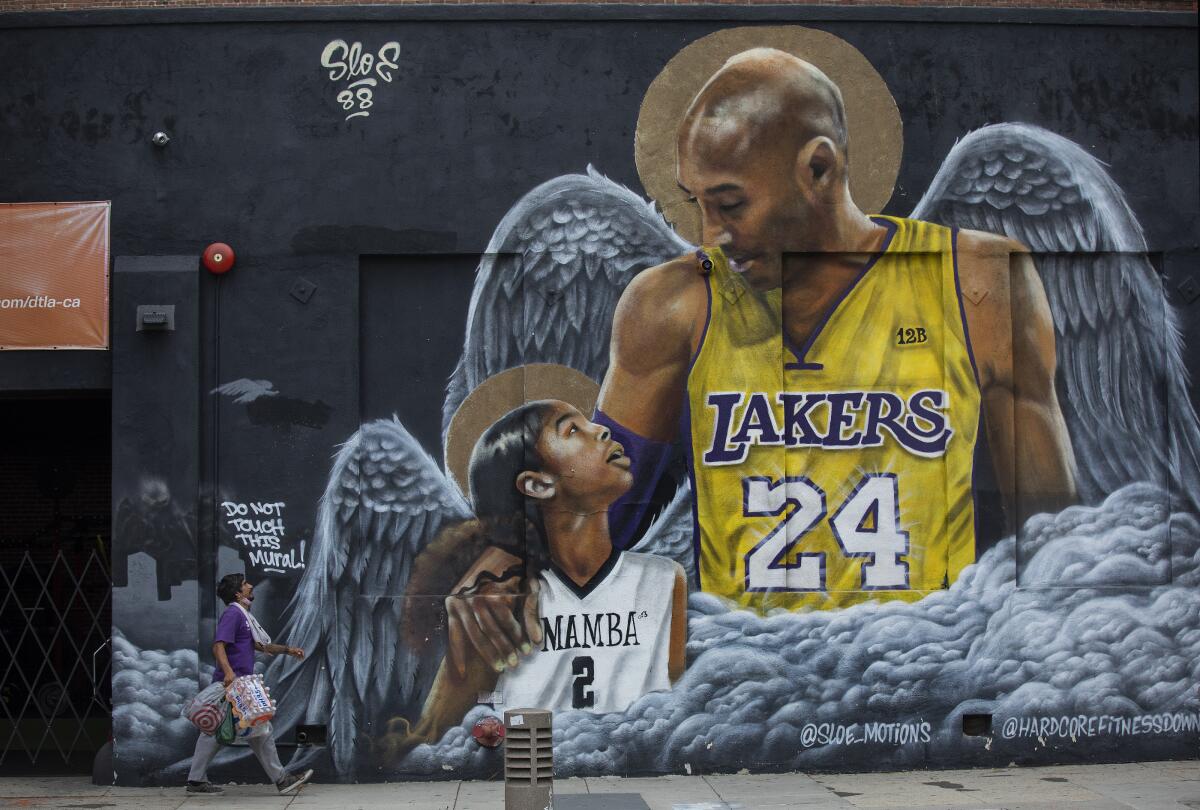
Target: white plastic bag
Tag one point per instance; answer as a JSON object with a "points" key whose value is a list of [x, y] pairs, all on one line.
{"points": [[207, 708]]}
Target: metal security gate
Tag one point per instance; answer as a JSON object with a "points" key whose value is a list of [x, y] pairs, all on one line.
{"points": [[55, 615]]}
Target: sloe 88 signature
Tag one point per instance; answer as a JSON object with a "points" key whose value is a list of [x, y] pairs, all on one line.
{"points": [[362, 69]]}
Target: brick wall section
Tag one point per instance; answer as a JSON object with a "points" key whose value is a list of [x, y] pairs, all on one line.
{"points": [[1109, 5]]}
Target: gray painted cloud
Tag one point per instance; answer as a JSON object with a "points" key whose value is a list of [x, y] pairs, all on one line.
{"points": [[149, 690], [755, 683], [983, 646]]}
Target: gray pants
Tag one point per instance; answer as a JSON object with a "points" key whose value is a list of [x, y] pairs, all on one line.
{"points": [[263, 747]]}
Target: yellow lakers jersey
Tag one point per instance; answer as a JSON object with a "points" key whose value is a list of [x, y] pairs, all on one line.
{"points": [[838, 471]]}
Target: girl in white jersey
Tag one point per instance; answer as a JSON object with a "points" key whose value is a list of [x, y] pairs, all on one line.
{"points": [[614, 623]]}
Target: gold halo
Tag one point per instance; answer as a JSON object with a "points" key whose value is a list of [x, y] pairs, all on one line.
{"points": [[872, 118], [499, 394]]}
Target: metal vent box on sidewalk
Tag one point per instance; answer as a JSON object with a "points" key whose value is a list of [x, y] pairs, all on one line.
{"points": [[528, 760]]}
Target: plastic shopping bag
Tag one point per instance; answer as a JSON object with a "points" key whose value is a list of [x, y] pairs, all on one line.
{"points": [[227, 730], [231, 732], [207, 708]]}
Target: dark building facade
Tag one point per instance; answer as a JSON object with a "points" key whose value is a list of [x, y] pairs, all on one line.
{"points": [[435, 212]]}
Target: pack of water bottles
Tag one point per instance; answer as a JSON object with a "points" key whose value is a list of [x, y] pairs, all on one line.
{"points": [[250, 701]]}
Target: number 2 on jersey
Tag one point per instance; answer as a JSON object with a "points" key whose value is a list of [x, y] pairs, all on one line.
{"points": [[584, 670], [866, 525]]}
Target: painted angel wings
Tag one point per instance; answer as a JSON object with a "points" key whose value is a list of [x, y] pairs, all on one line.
{"points": [[1122, 382], [545, 291], [547, 286], [385, 501]]}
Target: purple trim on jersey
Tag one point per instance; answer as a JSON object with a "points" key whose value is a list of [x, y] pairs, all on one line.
{"points": [[798, 354], [974, 497], [962, 311], [582, 591], [234, 630], [685, 429], [802, 364], [648, 460], [704, 334]]}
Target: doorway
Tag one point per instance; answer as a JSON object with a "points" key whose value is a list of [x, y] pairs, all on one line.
{"points": [[55, 582]]}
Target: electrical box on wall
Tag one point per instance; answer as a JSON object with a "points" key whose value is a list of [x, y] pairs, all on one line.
{"points": [[156, 318]]}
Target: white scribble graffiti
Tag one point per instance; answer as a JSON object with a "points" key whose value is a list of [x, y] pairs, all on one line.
{"points": [[1105, 725], [362, 70], [259, 527], [813, 734]]}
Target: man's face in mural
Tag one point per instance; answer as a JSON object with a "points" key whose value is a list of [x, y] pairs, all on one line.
{"points": [[583, 469], [761, 150], [749, 202]]}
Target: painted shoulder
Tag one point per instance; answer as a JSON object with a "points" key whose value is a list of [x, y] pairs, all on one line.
{"points": [[979, 251], [666, 302], [675, 282], [985, 264]]}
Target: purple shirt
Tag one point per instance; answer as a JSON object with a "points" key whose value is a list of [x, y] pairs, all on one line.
{"points": [[234, 630]]}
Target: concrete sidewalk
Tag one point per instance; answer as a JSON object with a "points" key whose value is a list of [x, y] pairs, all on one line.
{"points": [[1143, 786]]}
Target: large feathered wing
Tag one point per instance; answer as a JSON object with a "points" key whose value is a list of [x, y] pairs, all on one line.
{"points": [[385, 501], [547, 286], [1121, 381], [672, 534]]}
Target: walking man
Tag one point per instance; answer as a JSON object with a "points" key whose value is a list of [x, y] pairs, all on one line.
{"points": [[238, 635]]}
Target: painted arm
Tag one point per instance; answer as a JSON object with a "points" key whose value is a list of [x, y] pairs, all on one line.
{"points": [[450, 698], [1012, 337], [656, 329], [492, 620], [677, 659]]}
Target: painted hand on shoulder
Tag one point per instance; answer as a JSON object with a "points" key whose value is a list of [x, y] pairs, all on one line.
{"points": [[492, 614]]}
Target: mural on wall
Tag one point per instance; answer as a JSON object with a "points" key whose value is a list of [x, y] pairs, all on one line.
{"points": [[151, 522], [709, 475]]}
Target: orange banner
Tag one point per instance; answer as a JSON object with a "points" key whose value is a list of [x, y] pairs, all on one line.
{"points": [[54, 275]]}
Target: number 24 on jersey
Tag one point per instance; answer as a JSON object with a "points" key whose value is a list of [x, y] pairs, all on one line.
{"points": [[866, 525]]}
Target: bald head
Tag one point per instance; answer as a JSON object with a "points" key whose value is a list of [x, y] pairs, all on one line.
{"points": [[764, 97]]}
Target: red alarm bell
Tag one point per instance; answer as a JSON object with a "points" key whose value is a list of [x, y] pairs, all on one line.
{"points": [[218, 258], [489, 732]]}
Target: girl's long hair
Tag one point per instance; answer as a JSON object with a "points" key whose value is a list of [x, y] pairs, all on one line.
{"points": [[503, 517]]}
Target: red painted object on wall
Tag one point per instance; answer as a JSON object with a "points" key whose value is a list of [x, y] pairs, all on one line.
{"points": [[489, 732], [218, 258]]}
